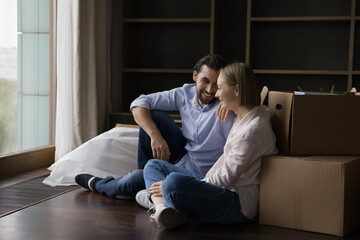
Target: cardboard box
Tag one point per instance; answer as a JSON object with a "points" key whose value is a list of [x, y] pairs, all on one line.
{"points": [[316, 124], [315, 193]]}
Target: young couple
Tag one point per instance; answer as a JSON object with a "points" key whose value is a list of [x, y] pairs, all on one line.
{"points": [[209, 168]]}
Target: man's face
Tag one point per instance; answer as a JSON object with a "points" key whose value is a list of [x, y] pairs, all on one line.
{"points": [[206, 84]]}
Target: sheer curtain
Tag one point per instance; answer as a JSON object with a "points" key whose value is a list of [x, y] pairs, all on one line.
{"points": [[83, 72]]}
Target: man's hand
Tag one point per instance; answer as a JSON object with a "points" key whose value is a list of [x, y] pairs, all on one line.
{"points": [[160, 148], [222, 113], [156, 189]]}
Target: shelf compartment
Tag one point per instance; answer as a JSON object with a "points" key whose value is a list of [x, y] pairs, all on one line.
{"points": [[295, 8], [167, 20], [356, 61], [137, 83], [300, 72], [153, 46], [300, 19], [230, 37], [285, 82], [300, 45], [356, 82], [157, 70], [167, 9]]}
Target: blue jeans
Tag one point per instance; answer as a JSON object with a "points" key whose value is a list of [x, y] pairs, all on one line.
{"points": [[128, 185], [184, 190], [172, 134], [133, 181]]}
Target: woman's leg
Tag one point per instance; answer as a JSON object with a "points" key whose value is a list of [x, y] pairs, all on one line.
{"points": [[157, 170], [122, 187], [170, 132], [209, 202]]}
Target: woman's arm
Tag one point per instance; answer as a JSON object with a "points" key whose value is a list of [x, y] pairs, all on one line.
{"points": [[233, 164]]}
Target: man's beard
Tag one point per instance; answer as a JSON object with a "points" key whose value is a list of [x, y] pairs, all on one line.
{"points": [[204, 101]]}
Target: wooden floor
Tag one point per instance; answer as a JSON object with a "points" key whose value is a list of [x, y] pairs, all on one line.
{"points": [[11, 180], [81, 214], [24, 194]]}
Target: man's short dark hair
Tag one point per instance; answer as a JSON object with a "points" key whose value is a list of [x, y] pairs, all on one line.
{"points": [[213, 61]]}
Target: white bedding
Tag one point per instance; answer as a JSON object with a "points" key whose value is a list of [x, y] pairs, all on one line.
{"points": [[112, 153]]}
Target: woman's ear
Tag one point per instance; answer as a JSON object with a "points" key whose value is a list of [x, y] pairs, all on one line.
{"points": [[237, 90], [195, 75]]}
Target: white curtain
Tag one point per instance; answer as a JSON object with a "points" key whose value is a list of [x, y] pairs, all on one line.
{"points": [[83, 72]]}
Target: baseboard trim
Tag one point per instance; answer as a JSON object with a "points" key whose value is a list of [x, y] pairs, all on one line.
{"points": [[16, 163]]}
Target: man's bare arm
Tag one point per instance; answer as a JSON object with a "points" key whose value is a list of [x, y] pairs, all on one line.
{"points": [[222, 113]]}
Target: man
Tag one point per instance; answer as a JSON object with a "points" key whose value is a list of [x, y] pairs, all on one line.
{"points": [[196, 147]]}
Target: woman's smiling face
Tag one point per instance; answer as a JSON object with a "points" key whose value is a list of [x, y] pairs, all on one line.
{"points": [[226, 94]]}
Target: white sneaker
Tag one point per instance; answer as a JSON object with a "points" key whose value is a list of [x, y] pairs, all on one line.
{"points": [[143, 200], [168, 217]]}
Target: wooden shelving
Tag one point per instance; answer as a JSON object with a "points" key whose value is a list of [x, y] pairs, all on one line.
{"points": [[305, 72], [299, 19], [160, 42], [289, 43], [156, 70], [167, 20], [303, 43]]}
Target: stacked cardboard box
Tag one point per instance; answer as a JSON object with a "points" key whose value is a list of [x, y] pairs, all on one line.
{"points": [[314, 183]]}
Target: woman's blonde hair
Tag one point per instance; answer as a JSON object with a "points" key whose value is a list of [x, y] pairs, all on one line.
{"points": [[243, 76]]}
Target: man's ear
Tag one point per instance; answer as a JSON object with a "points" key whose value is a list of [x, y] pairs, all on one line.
{"points": [[195, 75]]}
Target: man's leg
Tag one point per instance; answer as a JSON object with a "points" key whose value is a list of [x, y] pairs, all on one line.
{"points": [[172, 134], [209, 202], [122, 187]]}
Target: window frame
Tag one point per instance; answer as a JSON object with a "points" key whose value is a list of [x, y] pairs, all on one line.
{"points": [[26, 160]]}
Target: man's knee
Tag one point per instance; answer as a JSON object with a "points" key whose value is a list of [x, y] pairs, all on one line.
{"points": [[158, 114]]}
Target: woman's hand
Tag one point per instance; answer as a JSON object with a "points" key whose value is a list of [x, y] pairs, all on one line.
{"points": [[156, 189], [222, 113]]}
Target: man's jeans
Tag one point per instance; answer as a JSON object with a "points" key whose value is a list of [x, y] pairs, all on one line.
{"points": [[183, 189], [172, 134], [133, 181]]}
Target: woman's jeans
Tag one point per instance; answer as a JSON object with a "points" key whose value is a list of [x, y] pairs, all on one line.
{"points": [[133, 181], [184, 190]]}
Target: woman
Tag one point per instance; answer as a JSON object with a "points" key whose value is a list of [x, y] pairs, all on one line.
{"points": [[229, 193]]}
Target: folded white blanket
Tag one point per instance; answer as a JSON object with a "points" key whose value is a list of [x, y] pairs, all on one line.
{"points": [[112, 153]]}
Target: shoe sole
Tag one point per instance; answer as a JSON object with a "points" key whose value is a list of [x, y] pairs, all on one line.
{"points": [[124, 197], [170, 218]]}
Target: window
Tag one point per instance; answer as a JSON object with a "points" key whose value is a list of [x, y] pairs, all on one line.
{"points": [[25, 83]]}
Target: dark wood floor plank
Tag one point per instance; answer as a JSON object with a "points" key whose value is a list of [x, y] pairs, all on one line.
{"points": [[26, 193], [11, 180], [80, 214]]}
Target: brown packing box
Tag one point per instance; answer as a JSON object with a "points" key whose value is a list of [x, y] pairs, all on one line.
{"points": [[316, 124], [313, 193]]}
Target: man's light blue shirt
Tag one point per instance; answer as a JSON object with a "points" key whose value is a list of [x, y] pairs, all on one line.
{"points": [[205, 134]]}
